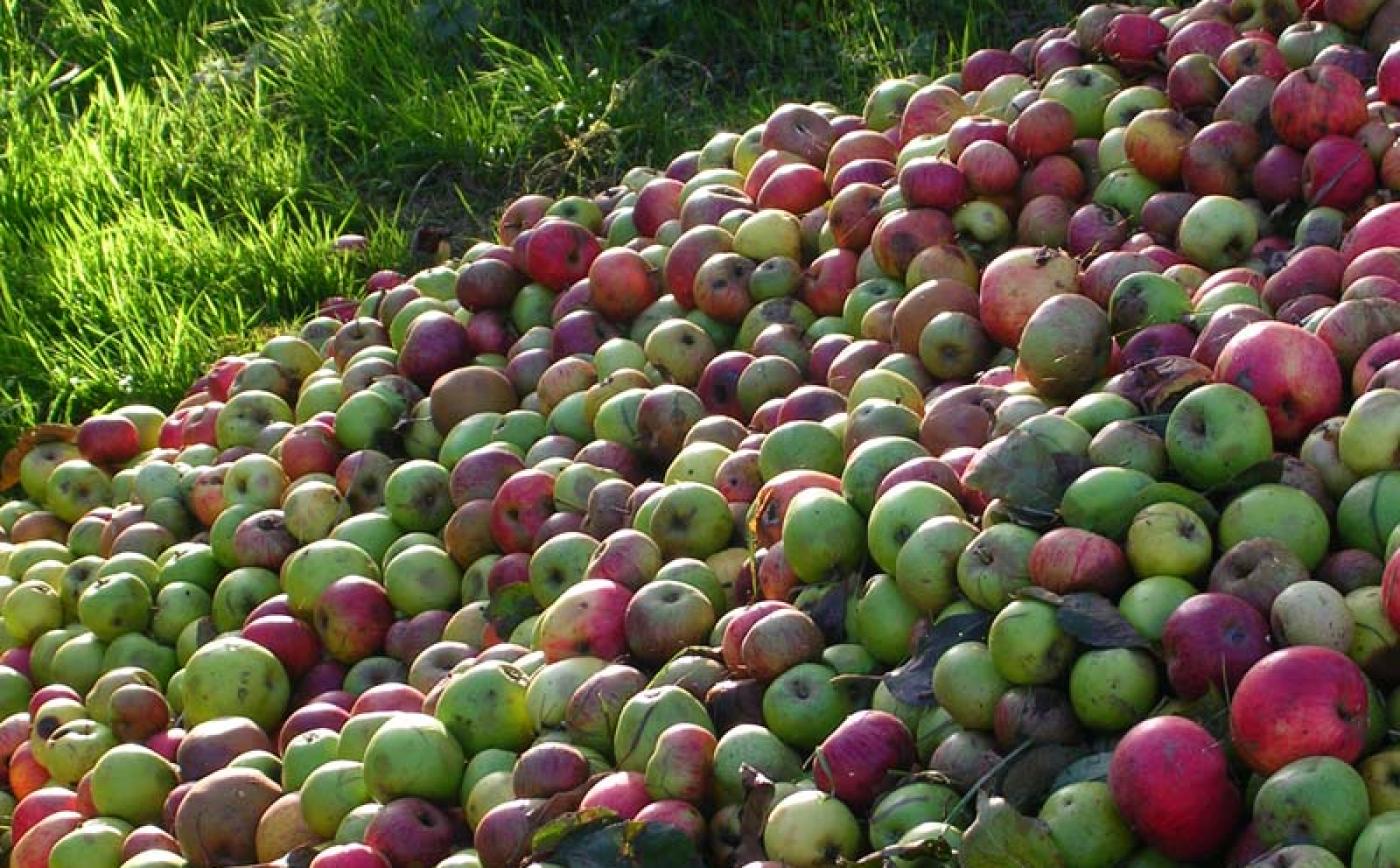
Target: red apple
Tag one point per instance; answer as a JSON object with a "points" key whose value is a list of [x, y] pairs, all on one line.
{"points": [[1298, 702], [1170, 780], [1290, 371], [1210, 641]]}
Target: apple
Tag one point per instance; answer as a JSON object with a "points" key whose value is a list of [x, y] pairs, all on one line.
{"points": [[664, 617], [108, 439], [1299, 702], [1195, 816], [1168, 539], [412, 755], [231, 675], [1217, 232], [1216, 432], [808, 829], [238, 798], [1211, 641], [1113, 689], [1288, 801], [1314, 102]]}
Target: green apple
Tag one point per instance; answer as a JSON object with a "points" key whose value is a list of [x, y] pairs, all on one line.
{"points": [[1086, 826], [311, 569], [1097, 409], [870, 462], [422, 578], [908, 806], [1369, 512], [927, 564], [1378, 845], [30, 610], [900, 512], [74, 748], [485, 707], [255, 480], [1169, 539], [305, 753], [645, 716], [1216, 432], [1279, 512], [79, 661], [768, 233], [1217, 232], [1315, 800], [809, 829], [1101, 500], [802, 706], [331, 791], [131, 783], [1027, 644], [1086, 92], [747, 744], [824, 535], [996, 564], [356, 733], [75, 487], [1370, 436], [547, 697], [39, 463], [232, 676], [1148, 603], [413, 755], [96, 843], [1125, 189], [1111, 689], [697, 462], [691, 520], [800, 445], [968, 684], [885, 620], [240, 592]]}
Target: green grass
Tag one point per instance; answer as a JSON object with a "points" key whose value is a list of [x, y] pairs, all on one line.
{"points": [[171, 171]]}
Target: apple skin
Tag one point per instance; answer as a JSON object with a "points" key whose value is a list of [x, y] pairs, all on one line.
{"points": [[1217, 232], [1170, 781], [1210, 642], [108, 439], [1298, 702], [1016, 283], [1215, 432], [1337, 173], [1317, 101], [1291, 372], [1070, 560], [854, 762], [349, 856]]}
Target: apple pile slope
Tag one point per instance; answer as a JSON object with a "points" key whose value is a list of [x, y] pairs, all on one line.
{"points": [[1006, 474]]}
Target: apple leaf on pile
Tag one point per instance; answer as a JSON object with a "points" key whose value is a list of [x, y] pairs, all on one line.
{"points": [[912, 683], [1026, 471]]}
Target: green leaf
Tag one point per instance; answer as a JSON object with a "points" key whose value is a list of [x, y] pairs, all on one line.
{"points": [[1001, 838]]}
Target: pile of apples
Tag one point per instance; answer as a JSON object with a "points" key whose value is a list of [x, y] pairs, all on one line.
{"points": [[1006, 474]]}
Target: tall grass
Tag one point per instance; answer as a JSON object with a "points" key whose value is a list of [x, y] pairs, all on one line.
{"points": [[172, 171]]}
